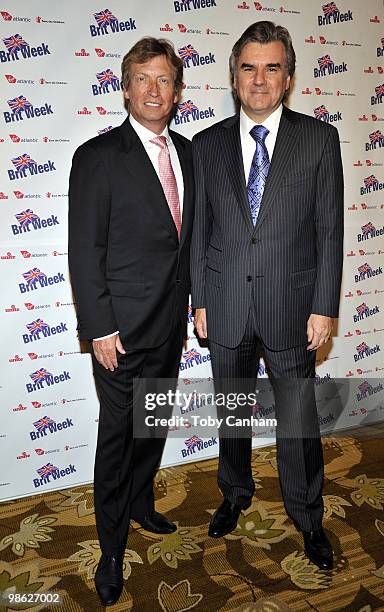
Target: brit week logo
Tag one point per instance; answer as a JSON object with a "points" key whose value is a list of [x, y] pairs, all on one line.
{"points": [[28, 221], [364, 351], [193, 358], [369, 231], [327, 67], [21, 109], [36, 279], [371, 183], [365, 271], [192, 58], [107, 23], [25, 167], [49, 471], [322, 113], [363, 312], [188, 111], [17, 48], [46, 425], [39, 329], [378, 98], [365, 390], [331, 14], [42, 378], [107, 83], [182, 6], [376, 141], [380, 50], [196, 444]]}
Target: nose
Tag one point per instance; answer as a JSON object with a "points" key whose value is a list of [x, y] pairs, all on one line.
{"points": [[153, 88], [259, 76]]}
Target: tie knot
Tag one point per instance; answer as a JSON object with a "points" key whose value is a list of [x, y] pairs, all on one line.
{"points": [[160, 141], [259, 132]]}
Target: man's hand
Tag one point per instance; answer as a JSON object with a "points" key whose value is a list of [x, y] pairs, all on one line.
{"points": [[318, 331], [105, 351], [200, 322]]}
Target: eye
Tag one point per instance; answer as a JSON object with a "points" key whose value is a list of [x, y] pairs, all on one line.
{"points": [[272, 68], [164, 81]]}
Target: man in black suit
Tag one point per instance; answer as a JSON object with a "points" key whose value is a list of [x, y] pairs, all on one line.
{"points": [[266, 270], [130, 223]]}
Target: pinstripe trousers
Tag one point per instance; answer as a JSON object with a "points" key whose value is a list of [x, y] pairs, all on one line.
{"points": [[299, 449]]}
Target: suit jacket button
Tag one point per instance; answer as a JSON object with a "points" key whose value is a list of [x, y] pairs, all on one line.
{"points": [[254, 240], [249, 278], [177, 281]]}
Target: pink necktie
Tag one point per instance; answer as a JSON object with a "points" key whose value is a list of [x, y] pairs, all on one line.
{"points": [[168, 180]]}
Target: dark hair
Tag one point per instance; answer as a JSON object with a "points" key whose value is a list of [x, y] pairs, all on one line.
{"points": [[144, 50], [263, 32]]}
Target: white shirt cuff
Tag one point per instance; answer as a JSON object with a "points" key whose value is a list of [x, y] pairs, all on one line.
{"points": [[108, 336]]}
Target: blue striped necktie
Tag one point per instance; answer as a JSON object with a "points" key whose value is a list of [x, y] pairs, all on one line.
{"points": [[259, 170]]}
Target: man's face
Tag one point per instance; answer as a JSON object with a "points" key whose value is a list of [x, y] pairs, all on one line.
{"points": [[151, 92], [261, 78]]}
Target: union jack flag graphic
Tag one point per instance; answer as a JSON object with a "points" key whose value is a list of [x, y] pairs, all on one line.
{"points": [[19, 104], [361, 348], [107, 129], [320, 112], [325, 61], [330, 9], [14, 43], [37, 326], [365, 386], [362, 308], [379, 90], [42, 423], [364, 268], [46, 470], [104, 18], [106, 77], [33, 275], [23, 161], [25, 217], [190, 355], [40, 375], [186, 108], [367, 228], [187, 52], [370, 180], [376, 136], [192, 441]]}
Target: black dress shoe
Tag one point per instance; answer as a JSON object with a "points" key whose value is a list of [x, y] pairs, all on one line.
{"points": [[155, 523], [318, 548], [109, 579], [224, 520]]}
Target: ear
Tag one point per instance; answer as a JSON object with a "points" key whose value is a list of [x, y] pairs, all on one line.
{"points": [[126, 94], [287, 83]]}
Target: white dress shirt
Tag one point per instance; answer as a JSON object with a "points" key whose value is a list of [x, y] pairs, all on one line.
{"points": [[153, 151], [248, 145]]}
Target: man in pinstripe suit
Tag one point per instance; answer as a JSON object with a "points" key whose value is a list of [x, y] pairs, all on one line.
{"points": [[266, 270]]}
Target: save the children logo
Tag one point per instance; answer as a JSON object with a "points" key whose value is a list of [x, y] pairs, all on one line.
{"points": [[17, 48], [21, 108], [364, 351], [25, 167], [331, 14], [36, 279], [42, 378], [191, 57], [327, 66], [108, 23], [107, 83], [49, 472], [28, 221], [322, 113], [188, 111]]}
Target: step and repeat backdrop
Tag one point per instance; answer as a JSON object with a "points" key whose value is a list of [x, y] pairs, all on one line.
{"points": [[60, 83]]}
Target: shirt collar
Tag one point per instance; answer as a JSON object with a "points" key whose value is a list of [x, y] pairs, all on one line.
{"points": [[145, 134], [271, 122]]}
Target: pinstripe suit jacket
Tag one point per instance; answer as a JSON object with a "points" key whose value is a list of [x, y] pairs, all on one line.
{"points": [[290, 264]]}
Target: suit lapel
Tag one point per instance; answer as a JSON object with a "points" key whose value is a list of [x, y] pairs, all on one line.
{"points": [[289, 129], [186, 168], [233, 160], [144, 177]]}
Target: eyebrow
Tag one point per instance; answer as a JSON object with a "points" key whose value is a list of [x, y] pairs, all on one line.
{"points": [[270, 65]]}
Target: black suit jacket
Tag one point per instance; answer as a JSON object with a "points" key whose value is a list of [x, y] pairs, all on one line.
{"points": [[129, 272], [290, 264]]}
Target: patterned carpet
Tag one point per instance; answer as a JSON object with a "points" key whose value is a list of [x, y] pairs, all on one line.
{"points": [[48, 543]]}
